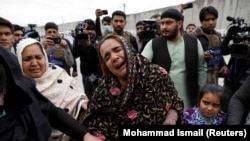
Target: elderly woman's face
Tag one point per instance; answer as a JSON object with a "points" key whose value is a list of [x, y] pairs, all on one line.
{"points": [[112, 53], [33, 61]]}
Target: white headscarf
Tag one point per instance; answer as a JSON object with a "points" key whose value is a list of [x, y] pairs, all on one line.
{"points": [[23, 43]]}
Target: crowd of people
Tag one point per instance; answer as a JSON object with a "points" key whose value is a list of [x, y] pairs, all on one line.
{"points": [[170, 78]]}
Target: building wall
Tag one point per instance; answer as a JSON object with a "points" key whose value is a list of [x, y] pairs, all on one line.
{"points": [[233, 8]]}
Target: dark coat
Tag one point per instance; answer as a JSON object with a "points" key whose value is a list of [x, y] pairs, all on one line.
{"points": [[89, 62], [239, 105], [29, 115]]}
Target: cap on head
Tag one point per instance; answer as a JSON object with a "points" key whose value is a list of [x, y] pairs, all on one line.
{"points": [[172, 13]]}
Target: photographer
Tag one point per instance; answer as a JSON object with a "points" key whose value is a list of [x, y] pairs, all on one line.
{"points": [[58, 49], [85, 47], [105, 23]]}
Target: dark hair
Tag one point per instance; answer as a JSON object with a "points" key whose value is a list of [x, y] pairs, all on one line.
{"points": [[50, 25], [89, 21], [5, 22], [107, 19], [139, 23], [18, 27], [208, 10], [104, 68], [155, 16], [191, 24], [119, 13], [214, 89]]}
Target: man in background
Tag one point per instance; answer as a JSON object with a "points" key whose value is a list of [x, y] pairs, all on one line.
{"points": [[190, 28], [118, 23], [57, 48], [18, 32], [104, 27], [6, 34], [180, 54]]}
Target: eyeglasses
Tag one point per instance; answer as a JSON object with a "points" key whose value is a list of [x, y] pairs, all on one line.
{"points": [[5, 33]]}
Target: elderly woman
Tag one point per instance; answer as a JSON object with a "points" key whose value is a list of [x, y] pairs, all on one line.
{"points": [[51, 80], [132, 92]]}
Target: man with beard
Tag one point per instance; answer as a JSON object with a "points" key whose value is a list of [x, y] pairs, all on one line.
{"points": [[180, 54], [118, 23]]}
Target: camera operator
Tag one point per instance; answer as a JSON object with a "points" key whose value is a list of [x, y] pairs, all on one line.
{"points": [[32, 33], [236, 44], [157, 25], [58, 49], [148, 31], [84, 47]]}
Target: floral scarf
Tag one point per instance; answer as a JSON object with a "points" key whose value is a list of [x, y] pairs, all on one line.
{"points": [[148, 96]]}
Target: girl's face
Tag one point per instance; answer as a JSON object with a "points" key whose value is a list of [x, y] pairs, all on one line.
{"points": [[210, 104]]}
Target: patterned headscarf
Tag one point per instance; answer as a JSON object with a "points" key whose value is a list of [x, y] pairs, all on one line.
{"points": [[146, 99]]}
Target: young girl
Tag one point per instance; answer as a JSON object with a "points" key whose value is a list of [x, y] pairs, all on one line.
{"points": [[208, 110]]}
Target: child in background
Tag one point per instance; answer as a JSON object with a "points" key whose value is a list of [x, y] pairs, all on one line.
{"points": [[209, 104]]}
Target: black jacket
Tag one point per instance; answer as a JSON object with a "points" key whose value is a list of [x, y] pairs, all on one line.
{"points": [[89, 61], [29, 115]]}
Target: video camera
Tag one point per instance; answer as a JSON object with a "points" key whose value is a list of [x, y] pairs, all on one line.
{"points": [[80, 32], [237, 40], [149, 29], [32, 33]]}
